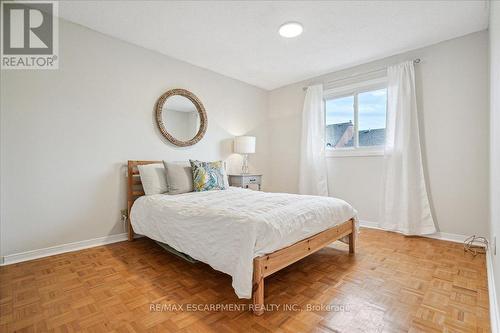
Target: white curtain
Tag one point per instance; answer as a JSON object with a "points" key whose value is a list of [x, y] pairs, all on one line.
{"points": [[312, 175], [405, 203]]}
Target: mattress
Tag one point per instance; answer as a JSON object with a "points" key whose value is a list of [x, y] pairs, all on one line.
{"points": [[227, 229]]}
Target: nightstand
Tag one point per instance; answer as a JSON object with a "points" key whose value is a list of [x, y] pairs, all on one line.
{"points": [[243, 180]]}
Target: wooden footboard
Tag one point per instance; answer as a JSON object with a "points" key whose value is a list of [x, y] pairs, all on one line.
{"points": [[266, 265]]}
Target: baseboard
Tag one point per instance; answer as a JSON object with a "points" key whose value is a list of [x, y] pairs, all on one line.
{"points": [[369, 224], [58, 249], [448, 237], [438, 235], [492, 294]]}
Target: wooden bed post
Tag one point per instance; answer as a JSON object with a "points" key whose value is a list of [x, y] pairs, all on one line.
{"points": [[130, 198], [258, 288], [352, 238]]}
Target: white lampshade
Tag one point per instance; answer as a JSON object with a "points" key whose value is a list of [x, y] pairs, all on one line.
{"points": [[244, 144]]}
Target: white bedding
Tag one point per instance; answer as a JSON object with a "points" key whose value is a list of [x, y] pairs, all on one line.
{"points": [[227, 229]]}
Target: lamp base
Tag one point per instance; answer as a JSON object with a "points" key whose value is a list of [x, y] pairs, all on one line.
{"points": [[244, 166]]}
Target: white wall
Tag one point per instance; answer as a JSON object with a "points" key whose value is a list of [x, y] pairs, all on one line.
{"points": [[495, 134], [452, 88], [66, 134]]}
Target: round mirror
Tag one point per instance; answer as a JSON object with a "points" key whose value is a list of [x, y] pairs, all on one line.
{"points": [[181, 117]]}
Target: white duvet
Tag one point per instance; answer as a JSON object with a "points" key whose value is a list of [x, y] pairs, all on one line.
{"points": [[228, 229]]}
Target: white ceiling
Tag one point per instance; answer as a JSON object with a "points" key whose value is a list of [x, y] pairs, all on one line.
{"points": [[239, 38]]}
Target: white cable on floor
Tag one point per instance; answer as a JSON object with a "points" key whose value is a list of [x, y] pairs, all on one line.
{"points": [[476, 245]]}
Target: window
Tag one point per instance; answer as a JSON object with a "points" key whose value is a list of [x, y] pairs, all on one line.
{"points": [[340, 122], [356, 120]]}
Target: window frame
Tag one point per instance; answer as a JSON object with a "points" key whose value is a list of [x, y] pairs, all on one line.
{"points": [[354, 90]]}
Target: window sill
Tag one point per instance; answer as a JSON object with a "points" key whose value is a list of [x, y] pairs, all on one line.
{"points": [[359, 152]]}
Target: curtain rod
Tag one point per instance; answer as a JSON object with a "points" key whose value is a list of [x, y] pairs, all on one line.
{"points": [[415, 61]]}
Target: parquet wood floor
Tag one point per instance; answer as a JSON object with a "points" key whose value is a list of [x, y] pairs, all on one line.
{"points": [[392, 284]]}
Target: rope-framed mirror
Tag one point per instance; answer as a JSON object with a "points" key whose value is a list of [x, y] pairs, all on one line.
{"points": [[181, 117]]}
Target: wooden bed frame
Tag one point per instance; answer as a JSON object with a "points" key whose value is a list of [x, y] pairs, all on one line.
{"points": [[265, 265]]}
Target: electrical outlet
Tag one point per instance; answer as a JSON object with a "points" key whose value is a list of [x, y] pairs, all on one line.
{"points": [[124, 215]]}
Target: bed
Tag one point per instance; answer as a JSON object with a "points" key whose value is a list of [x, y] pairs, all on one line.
{"points": [[246, 234]]}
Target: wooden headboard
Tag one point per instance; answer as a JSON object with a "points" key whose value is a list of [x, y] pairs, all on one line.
{"points": [[134, 189]]}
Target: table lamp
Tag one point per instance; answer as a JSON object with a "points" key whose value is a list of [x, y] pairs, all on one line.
{"points": [[244, 145]]}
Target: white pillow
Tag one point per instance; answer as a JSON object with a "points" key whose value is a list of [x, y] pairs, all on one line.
{"points": [[153, 178]]}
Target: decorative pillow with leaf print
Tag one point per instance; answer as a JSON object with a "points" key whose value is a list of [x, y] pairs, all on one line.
{"points": [[208, 176]]}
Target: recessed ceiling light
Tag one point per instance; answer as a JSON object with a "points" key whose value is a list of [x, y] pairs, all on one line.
{"points": [[291, 29]]}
